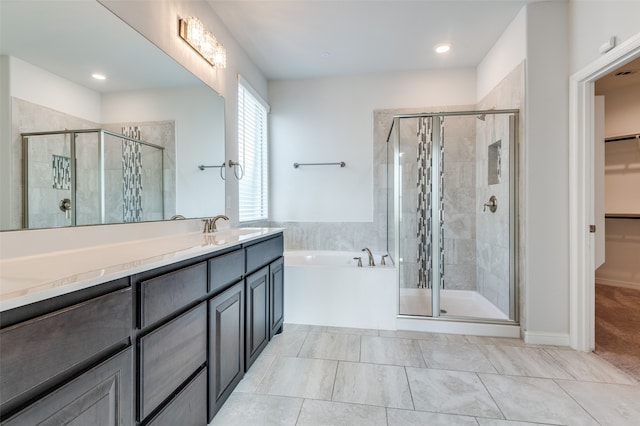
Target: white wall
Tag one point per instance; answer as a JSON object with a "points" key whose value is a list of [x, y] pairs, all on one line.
{"points": [[33, 84], [331, 120], [546, 159], [622, 111], [508, 52], [199, 128], [594, 22], [158, 22]]}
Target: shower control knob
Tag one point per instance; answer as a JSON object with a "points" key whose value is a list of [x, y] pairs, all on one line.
{"points": [[492, 204], [65, 204]]}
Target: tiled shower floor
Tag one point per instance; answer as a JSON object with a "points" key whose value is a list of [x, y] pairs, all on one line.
{"points": [[460, 303], [312, 375]]}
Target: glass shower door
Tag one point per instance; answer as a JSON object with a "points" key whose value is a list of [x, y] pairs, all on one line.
{"points": [[453, 215], [48, 181], [413, 138]]}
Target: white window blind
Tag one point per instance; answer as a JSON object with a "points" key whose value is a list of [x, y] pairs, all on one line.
{"points": [[252, 152]]}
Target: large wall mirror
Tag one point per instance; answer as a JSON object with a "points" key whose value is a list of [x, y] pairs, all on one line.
{"points": [[75, 150]]}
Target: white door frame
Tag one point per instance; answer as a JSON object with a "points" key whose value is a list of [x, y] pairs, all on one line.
{"points": [[581, 193]]}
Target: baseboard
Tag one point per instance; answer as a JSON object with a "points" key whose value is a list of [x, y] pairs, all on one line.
{"points": [[614, 283], [538, 338]]}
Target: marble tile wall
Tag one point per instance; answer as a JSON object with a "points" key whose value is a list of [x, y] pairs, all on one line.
{"points": [[493, 266], [459, 202], [492, 235], [44, 196]]}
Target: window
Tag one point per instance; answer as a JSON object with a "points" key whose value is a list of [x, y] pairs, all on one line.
{"points": [[253, 154]]}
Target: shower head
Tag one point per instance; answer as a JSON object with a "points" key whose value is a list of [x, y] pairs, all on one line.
{"points": [[481, 117]]}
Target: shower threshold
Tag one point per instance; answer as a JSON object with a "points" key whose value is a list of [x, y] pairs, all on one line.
{"points": [[455, 303]]}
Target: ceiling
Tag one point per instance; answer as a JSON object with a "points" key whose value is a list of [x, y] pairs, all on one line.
{"points": [[626, 75], [290, 39], [75, 39]]}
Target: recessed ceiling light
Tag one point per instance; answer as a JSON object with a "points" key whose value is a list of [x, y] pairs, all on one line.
{"points": [[98, 76], [442, 48], [325, 54]]}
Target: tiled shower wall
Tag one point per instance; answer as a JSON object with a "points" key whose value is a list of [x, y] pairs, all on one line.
{"points": [[160, 133], [459, 202], [492, 229]]}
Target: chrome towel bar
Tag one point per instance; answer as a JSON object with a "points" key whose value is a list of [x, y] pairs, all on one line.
{"points": [[341, 164]]}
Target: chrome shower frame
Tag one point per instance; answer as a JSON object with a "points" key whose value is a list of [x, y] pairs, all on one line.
{"points": [[73, 134], [437, 212]]}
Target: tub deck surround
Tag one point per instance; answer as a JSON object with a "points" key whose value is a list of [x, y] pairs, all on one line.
{"points": [[32, 278], [327, 288]]}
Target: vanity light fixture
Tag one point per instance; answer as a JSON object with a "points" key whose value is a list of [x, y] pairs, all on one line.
{"points": [[202, 41], [442, 48]]}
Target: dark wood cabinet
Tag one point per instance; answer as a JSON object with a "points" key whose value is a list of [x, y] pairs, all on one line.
{"points": [[257, 327], [276, 297], [226, 345], [169, 355], [44, 351], [164, 295], [188, 407], [162, 347], [100, 396], [263, 252]]}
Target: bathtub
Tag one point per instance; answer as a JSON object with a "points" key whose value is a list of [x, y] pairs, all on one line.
{"points": [[328, 288]]}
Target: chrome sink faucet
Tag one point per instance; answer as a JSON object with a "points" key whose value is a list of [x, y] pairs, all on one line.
{"points": [[215, 219], [371, 261], [210, 223]]}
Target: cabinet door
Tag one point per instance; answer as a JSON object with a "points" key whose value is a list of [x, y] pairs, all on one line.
{"points": [[257, 287], [226, 345], [101, 396], [276, 297]]}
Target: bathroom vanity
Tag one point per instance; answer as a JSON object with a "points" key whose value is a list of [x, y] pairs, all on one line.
{"points": [[162, 341]]}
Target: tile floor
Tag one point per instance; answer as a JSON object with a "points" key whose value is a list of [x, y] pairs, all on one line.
{"points": [[311, 375]]}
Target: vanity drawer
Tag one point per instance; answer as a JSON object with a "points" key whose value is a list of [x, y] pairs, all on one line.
{"points": [[225, 270], [264, 252], [163, 295], [170, 355], [188, 407], [35, 351]]}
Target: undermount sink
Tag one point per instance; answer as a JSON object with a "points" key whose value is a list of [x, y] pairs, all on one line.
{"points": [[234, 232], [229, 235]]}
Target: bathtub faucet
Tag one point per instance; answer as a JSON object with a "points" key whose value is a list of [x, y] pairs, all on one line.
{"points": [[371, 262]]}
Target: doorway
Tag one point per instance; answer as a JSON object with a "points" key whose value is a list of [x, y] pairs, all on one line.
{"points": [[581, 150], [617, 277]]}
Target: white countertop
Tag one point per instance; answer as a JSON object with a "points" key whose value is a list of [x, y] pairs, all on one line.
{"points": [[30, 279]]}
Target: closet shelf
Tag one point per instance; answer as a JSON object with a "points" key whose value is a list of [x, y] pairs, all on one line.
{"points": [[622, 216]]}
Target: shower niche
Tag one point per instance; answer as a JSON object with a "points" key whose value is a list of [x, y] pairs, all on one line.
{"points": [[93, 176], [455, 257], [494, 157]]}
